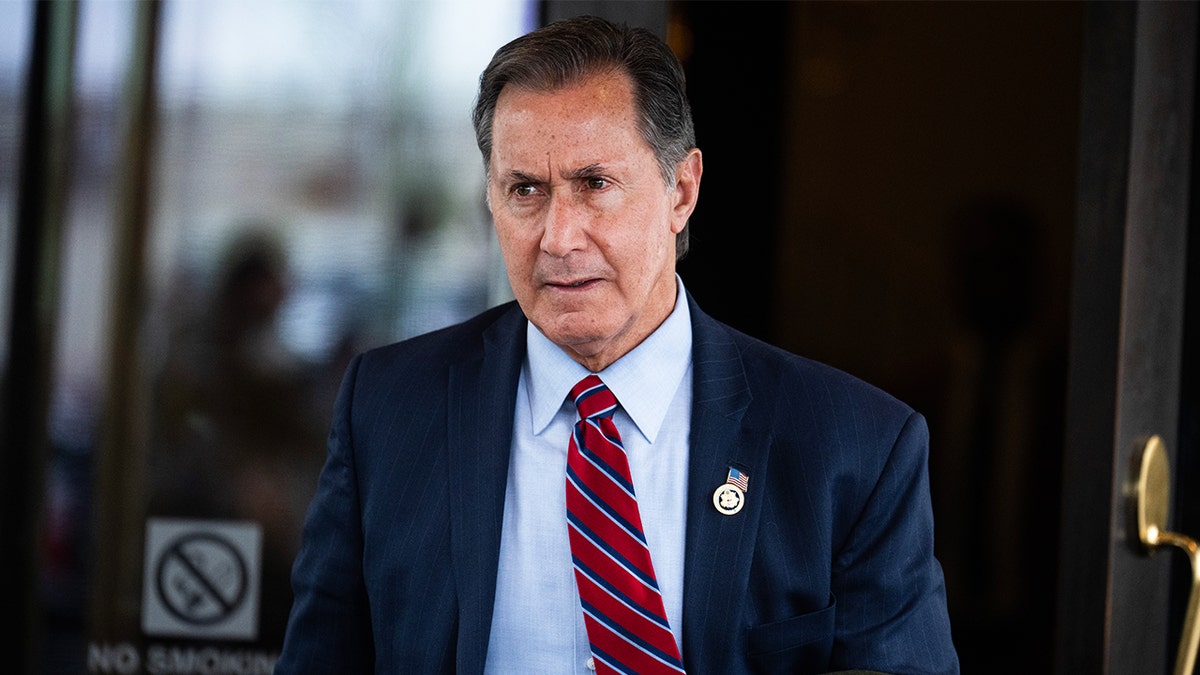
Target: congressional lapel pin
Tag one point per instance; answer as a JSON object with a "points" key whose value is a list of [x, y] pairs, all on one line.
{"points": [[730, 497]]}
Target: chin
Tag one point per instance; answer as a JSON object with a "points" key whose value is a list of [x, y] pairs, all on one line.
{"points": [[584, 342]]}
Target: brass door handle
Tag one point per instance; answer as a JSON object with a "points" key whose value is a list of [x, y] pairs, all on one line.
{"points": [[1152, 494]]}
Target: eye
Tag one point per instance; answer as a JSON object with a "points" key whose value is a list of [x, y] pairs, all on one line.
{"points": [[523, 190], [597, 183]]}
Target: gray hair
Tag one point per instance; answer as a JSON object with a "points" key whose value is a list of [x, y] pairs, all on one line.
{"points": [[567, 51]]}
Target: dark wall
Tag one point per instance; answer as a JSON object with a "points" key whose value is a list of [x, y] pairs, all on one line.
{"points": [[735, 55], [890, 188]]}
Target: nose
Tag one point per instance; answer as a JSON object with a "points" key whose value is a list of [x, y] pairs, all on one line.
{"points": [[563, 230]]}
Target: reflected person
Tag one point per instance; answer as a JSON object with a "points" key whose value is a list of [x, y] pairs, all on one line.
{"points": [[238, 434], [599, 476]]}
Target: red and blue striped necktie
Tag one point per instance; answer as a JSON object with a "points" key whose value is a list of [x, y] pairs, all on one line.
{"points": [[622, 606]]}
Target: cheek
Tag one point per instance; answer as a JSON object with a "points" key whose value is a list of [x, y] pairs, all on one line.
{"points": [[643, 247], [517, 250], [510, 231]]}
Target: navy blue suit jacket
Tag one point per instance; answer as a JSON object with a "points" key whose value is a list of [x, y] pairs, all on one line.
{"points": [[828, 566]]}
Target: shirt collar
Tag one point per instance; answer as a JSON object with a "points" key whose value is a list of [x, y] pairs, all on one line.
{"points": [[643, 380]]}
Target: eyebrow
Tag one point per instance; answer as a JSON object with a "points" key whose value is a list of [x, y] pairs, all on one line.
{"points": [[589, 171], [522, 177]]}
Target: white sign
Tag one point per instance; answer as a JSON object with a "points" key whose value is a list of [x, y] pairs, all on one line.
{"points": [[202, 578]]}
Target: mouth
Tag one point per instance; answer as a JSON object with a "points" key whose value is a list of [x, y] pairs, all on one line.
{"points": [[573, 285]]}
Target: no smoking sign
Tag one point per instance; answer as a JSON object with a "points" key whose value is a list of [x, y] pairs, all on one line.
{"points": [[201, 579]]}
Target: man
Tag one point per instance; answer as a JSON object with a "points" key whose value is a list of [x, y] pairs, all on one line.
{"points": [[708, 503]]}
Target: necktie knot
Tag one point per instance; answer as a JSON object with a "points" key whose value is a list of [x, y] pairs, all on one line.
{"points": [[592, 398]]}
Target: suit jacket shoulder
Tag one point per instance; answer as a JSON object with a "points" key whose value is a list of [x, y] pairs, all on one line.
{"points": [[769, 368], [430, 354]]}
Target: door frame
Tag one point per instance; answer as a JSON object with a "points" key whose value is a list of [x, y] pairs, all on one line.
{"points": [[1126, 329]]}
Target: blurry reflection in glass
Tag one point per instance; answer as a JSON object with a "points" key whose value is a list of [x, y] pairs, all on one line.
{"points": [[240, 434]]}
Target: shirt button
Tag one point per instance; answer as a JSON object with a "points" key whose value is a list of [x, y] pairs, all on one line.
{"points": [[591, 663]]}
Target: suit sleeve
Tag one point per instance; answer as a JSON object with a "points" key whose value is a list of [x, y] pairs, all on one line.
{"points": [[329, 629], [890, 592]]}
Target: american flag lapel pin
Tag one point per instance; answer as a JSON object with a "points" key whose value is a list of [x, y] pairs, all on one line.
{"points": [[730, 497]]}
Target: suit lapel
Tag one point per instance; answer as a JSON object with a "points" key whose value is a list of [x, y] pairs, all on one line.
{"points": [[482, 398], [719, 547]]}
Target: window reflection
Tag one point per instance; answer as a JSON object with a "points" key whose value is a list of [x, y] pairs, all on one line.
{"points": [[239, 416], [318, 192], [315, 191]]}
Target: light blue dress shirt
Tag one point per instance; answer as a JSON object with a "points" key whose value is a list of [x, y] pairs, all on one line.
{"points": [[537, 623]]}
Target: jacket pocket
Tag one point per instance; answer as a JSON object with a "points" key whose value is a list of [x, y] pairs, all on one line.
{"points": [[800, 644]]}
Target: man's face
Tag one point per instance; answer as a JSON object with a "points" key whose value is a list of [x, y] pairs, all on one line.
{"points": [[585, 221]]}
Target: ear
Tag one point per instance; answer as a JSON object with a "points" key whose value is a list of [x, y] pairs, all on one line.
{"points": [[687, 189]]}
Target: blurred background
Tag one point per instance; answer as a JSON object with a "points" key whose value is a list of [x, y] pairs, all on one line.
{"points": [[207, 207]]}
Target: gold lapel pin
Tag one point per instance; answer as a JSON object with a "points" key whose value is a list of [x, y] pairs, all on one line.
{"points": [[730, 497]]}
